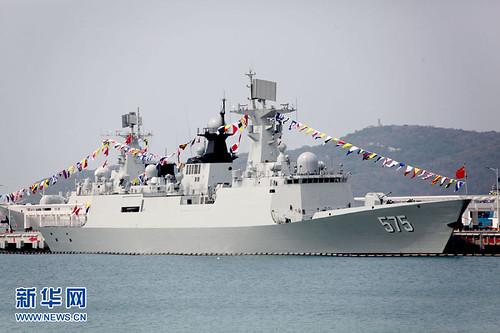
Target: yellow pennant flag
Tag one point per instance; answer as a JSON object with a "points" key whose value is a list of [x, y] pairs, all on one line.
{"points": [[436, 180], [347, 145], [96, 153], [416, 171]]}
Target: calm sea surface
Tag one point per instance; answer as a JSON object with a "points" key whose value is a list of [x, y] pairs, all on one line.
{"points": [[263, 293]]}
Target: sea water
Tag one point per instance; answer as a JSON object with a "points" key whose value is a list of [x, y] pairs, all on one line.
{"points": [[262, 293]]}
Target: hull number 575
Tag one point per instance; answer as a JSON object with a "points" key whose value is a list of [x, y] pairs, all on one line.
{"points": [[396, 223]]}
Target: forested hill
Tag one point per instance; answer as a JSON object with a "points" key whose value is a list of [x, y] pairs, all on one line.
{"points": [[439, 150]]}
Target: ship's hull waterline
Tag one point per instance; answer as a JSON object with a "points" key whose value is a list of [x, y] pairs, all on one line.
{"points": [[351, 233]]}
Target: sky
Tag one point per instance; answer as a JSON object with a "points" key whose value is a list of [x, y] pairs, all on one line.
{"points": [[69, 69]]}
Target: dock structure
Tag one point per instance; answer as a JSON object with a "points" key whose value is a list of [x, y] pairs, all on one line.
{"points": [[22, 241], [472, 241]]}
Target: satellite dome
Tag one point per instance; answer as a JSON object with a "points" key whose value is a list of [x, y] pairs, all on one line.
{"points": [[214, 123], [282, 147], [101, 172], [307, 163], [52, 199], [200, 150], [151, 171]]}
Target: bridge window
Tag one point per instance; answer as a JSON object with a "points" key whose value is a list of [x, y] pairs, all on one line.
{"points": [[193, 169]]}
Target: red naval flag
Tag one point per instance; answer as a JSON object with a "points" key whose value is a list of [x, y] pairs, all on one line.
{"points": [[461, 173]]}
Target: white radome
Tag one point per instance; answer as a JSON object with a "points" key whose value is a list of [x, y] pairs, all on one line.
{"points": [[151, 171], [52, 200], [103, 172], [307, 163], [214, 123], [200, 150]]}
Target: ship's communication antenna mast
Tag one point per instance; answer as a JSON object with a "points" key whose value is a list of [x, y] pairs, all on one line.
{"points": [[250, 75], [130, 120], [261, 90], [223, 109]]}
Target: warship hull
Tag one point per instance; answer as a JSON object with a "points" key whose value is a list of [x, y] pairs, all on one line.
{"points": [[351, 232]]}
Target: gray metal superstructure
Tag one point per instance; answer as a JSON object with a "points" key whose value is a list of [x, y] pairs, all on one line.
{"points": [[274, 206]]}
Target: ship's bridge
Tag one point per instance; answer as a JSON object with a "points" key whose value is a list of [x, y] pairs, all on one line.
{"points": [[316, 179]]}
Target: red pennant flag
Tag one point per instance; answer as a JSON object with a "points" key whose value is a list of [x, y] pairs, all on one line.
{"points": [[75, 211], [129, 139], [461, 173]]}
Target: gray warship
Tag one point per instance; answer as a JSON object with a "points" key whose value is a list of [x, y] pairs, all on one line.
{"points": [[207, 207]]}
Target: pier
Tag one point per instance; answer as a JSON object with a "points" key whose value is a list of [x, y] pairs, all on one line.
{"points": [[31, 241], [475, 242]]}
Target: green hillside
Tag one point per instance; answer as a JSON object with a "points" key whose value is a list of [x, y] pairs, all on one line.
{"points": [[439, 150]]}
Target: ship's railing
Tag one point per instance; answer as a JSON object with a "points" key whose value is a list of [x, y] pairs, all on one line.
{"points": [[68, 215]]}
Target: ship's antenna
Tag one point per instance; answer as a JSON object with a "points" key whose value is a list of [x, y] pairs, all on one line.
{"points": [[223, 109], [250, 75], [296, 108], [138, 123]]}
